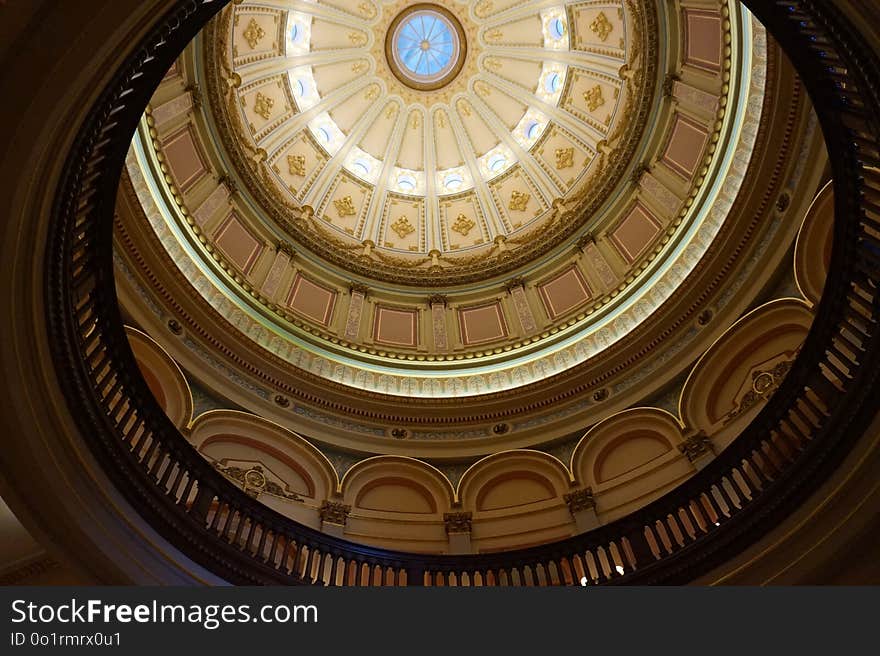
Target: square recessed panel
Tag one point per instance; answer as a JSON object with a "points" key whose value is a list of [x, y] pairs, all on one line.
{"points": [[185, 160], [565, 292], [482, 323], [687, 142], [311, 300], [395, 326], [703, 39], [238, 244], [635, 233]]}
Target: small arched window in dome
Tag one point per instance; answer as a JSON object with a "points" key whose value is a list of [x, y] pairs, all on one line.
{"points": [[553, 82], [557, 28], [361, 167], [324, 135], [496, 163], [294, 33], [406, 183], [532, 129], [453, 181], [300, 88]]}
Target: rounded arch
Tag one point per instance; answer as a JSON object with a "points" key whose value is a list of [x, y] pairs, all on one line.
{"points": [[230, 435], [164, 378], [512, 479], [397, 484], [812, 253], [757, 346], [623, 443]]}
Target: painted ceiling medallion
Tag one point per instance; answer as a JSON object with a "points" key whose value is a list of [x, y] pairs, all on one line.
{"points": [[425, 47]]}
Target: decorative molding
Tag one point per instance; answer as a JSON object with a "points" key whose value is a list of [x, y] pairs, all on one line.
{"points": [[458, 522], [580, 500], [255, 482], [764, 384], [344, 206], [334, 512], [253, 33], [263, 105], [696, 445], [355, 310], [601, 26]]}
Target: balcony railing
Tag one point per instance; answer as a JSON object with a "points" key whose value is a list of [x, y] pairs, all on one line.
{"points": [[803, 432]]}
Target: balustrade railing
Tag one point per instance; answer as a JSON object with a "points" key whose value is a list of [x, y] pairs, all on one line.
{"points": [[823, 405]]}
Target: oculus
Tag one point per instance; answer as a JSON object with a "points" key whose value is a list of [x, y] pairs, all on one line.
{"points": [[425, 47]]}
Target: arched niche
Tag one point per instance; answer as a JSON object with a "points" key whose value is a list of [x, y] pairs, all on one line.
{"points": [[162, 375], [629, 459], [516, 500], [512, 479], [743, 367], [398, 503], [812, 253], [395, 484], [236, 439]]}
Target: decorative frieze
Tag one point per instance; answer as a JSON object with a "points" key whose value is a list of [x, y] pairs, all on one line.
{"points": [[764, 383], [270, 285], [355, 310], [599, 264], [437, 303], [173, 108], [521, 304], [660, 193], [209, 207]]}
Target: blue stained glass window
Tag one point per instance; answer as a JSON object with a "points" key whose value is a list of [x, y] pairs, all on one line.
{"points": [[425, 44]]}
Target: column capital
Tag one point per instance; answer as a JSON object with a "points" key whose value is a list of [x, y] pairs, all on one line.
{"points": [[580, 500], [514, 283], [696, 445], [458, 522], [334, 512], [358, 287]]}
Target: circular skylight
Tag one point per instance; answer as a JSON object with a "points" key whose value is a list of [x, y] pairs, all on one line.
{"points": [[425, 44], [425, 47]]}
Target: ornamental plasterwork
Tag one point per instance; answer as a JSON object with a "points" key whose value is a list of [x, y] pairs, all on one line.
{"points": [[564, 158], [263, 105], [463, 225], [253, 33], [296, 164], [594, 99], [255, 482], [453, 158], [403, 227], [601, 26], [344, 206], [519, 201]]}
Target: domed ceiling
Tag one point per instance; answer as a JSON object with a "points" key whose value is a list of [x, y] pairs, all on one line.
{"points": [[434, 143], [299, 229], [456, 241]]}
